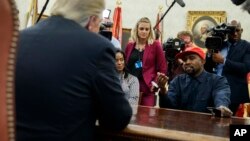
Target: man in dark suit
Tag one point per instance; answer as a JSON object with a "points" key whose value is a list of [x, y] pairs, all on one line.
{"points": [[233, 62], [66, 78]]}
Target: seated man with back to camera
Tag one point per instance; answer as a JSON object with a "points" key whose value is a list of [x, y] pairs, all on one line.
{"points": [[196, 89], [66, 79]]}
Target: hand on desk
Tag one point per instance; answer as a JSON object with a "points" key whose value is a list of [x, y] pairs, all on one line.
{"points": [[225, 112]]}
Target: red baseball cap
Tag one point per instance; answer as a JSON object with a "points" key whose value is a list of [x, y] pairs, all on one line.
{"points": [[192, 50]]}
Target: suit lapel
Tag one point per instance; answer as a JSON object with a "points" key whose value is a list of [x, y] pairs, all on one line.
{"points": [[233, 49], [130, 51], [145, 54]]}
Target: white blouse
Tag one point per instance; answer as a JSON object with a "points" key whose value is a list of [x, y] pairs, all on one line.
{"points": [[130, 86]]}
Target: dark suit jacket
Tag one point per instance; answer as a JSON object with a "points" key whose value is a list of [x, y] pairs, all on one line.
{"points": [[153, 61], [236, 67], [65, 80]]}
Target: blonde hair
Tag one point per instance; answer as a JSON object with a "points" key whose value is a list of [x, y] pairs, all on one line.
{"points": [[78, 10], [134, 33]]}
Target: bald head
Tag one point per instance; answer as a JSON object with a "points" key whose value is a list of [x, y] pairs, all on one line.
{"points": [[235, 23], [236, 35]]}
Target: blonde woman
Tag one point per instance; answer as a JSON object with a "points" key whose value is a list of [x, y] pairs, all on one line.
{"points": [[145, 57]]}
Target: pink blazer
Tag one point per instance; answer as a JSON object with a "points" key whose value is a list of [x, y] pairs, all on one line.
{"points": [[153, 61]]}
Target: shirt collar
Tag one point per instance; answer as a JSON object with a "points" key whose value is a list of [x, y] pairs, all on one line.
{"points": [[201, 78], [234, 44]]}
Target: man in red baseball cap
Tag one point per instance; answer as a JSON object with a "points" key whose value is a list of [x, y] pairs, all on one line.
{"points": [[196, 89], [196, 50], [192, 60]]}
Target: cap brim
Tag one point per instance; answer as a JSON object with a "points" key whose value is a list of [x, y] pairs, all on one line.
{"points": [[182, 54]]}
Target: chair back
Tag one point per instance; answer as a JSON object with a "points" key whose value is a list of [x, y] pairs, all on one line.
{"points": [[8, 39]]}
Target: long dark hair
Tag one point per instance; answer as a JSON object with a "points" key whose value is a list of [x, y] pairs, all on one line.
{"points": [[125, 70]]}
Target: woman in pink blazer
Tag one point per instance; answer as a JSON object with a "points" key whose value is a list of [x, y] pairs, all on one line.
{"points": [[145, 57]]}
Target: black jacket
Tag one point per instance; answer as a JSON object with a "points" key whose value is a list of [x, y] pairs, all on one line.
{"points": [[236, 67], [65, 80]]}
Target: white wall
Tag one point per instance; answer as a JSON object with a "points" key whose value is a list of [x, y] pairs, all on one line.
{"points": [[174, 21]]}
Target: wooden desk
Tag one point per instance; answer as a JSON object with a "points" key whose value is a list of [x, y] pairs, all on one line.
{"points": [[156, 124]]}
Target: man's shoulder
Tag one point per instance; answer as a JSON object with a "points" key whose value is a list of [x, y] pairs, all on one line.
{"points": [[246, 43], [213, 77]]}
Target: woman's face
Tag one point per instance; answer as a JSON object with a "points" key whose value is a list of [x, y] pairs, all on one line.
{"points": [[143, 30], [120, 62]]}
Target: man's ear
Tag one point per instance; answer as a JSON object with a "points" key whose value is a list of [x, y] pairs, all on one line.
{"points": [[90, 23], [93, 24]]}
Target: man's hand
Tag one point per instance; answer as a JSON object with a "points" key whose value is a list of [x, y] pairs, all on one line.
{"points": [[218, 58], [225, 112], [162, 80]]}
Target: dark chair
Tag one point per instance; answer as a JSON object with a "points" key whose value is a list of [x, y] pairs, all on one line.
{"points": [[8, 38]]}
